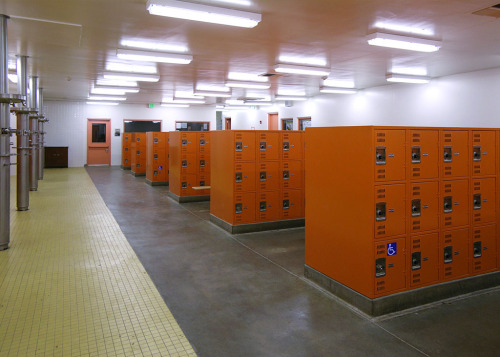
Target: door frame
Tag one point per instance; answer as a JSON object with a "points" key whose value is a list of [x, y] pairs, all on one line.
{"points": [[108, 138], [269, 121]]}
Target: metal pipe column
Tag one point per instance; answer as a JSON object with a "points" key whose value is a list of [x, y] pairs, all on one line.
{"points": [[41, 120], [34, 136]]}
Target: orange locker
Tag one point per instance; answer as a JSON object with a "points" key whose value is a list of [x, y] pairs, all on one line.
{"points": [[244, 208], [483, 152], [454, 144], [268, 144], [389, 155], [204, 166], [292, 175], [292, 145], [423, 254], [483, 249], [390, 275], [390, 210], [483, 201], [268, 206], [244, 177], [424, 206], [423, 150], [188, 181], [126, 142], [203, 139], [292, 204], [453, 254], [188, 142], [268, 176], [189, 163], [244, 146], [454, 196], [203, 180], [138, 154]]}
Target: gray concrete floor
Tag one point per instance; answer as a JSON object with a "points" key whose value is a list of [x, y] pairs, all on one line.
{"points": [[246, 295]]}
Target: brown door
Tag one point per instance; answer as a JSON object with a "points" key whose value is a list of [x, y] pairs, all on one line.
{"points": [[228, 124], [272, 121], [98, 142]]}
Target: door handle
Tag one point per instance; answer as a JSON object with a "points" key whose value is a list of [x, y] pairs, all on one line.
{"points": [[107, 149]]}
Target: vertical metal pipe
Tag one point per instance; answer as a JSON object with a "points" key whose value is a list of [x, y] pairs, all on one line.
{"points": [[40, 134], [4, 141], [34, 135], [22, 138]]}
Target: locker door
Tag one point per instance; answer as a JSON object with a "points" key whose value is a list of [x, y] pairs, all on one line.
{"points": [[424, 206], [188, 181], [389, 155], [244, 177], [424, 267], [292, 145], [244, 208], [203, 142], [292, 204], [389, 266], [268, 206], [268, 145], [268, 176], [454, 146], [423, 151], [389, 210], [483, 201], [292, 175], [453, 254], [483, 249], [203, 180], [204, 166], [483, 152], [188, 143], [188, 163], [244, 146], [161, 172], [454, 203]]}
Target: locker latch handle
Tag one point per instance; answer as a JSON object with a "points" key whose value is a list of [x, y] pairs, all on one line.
{"points": [[477, 249], [415, 154], [416, 261], [184, 142], [286, 204], [415, 207], [476, 201], [476, 152], [263, 146], [286, 174], [156, 156], [155, 140], [184, 163], [238, 208], [286, 145], [380, 267], [202, 183], [238, 177], [263, 206], [202, 142], [380, 155], [202, 163], [380, 211], [238, 146], [447, 154], [448, 254], [448, 204], [184, 185], [263, 176]]}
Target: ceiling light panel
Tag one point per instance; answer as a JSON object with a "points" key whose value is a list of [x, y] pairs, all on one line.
{"points": [[338, 83], [235, 2], [212, 88], [289, 97], [203, 13], [296, 69], [113, 90], [110, 98], [238, 76], [131, 77], [400, 78], [186, 95], [152, 56], [415, 71], [129, 67], [171, 105], [155, 46], [403, 42], [249, 85], [337, 90], [303, 60], [116, 83], [212, 94], [404, 29], [102, 103], [184, 101]]}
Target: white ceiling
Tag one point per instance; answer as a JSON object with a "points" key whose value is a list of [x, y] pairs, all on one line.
{"points": [[69, 41]]}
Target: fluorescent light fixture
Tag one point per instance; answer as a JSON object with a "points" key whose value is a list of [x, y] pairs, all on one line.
{"points": [[186, 95], [257, 103], [289, 97], [415, 71], [212, 88], [102, 103], [337, 90], [238, 76], [155, 46], [291, 92], [94, 97], [403, 42], [235, 102], [249, 85], [128, 67], [406, 29], [212, 94], [296, 69], [131, 76], [152, 56], [203, 13], [113, 90], [400, 78], [236, 2], [303, 60], [12, 77], [236, 108], [338, 83], [219, 106], [184, 101], [171, 105], [115, 83]]}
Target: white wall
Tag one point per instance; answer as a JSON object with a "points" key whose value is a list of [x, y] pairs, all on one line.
{"points": [[68, 124]]}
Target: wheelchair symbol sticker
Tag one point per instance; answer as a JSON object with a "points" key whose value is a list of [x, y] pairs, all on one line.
{"points": [[160, 168], [392, 249]]}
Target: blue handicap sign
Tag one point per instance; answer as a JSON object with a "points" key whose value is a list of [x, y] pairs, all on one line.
{"points": [[160, 168], [392, 249]]}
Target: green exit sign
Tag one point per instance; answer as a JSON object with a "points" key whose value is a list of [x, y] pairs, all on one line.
{"points": [[151, 105]]}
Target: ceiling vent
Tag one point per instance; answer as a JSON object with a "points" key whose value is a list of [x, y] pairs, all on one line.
{"points": [[492, 11]]}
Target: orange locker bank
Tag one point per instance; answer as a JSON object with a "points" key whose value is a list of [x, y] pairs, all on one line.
{"points": [[393, 209], [257, 180], [157, 158], [126, 150], [189, 165], [138, 154]]}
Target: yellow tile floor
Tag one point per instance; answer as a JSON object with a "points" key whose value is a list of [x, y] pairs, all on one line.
{"points": [[71, 285]]}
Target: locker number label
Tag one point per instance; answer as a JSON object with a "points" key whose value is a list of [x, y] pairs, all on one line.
{"points": [[392, 249]]}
